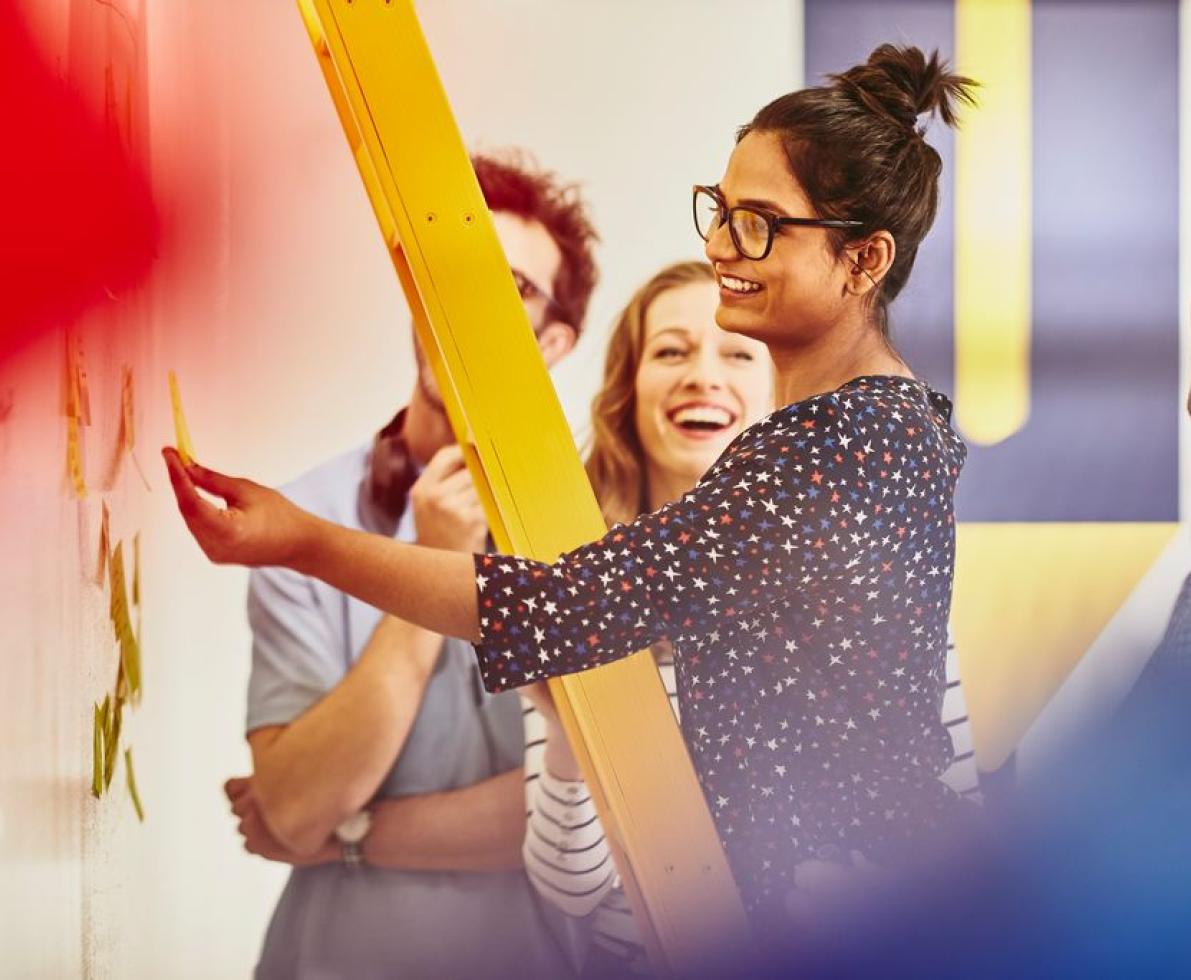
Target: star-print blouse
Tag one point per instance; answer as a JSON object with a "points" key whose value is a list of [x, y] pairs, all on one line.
{"points": [[805, 584]]}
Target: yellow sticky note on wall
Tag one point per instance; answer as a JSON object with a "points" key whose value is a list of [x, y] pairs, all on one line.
{"points": [[130, 654], [131, 777], [78, 398], [136, 569], [127, 423], [105, 544], [181, 432], [111, 739], [97, 753], [74, 457], [80, 366]]}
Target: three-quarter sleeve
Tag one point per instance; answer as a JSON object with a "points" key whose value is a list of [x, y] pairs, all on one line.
{"points": [[741, 536]]}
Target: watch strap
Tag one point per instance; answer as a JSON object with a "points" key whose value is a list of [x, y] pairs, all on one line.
{"points": [[351, 854]]}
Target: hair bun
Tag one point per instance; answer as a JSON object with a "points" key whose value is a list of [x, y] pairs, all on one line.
{"points": [[901, 84]]}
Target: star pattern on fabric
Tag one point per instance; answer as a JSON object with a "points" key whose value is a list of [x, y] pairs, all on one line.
{"points": [[805, 585]]}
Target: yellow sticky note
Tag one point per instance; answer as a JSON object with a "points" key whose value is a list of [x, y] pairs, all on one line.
{"points": [[80, 366], [130, 654], [136, 569], [105, 543], [78, 398], [74, 457], [97, 754], [131, 776], [70, 390], [181, 432], [127, 423], [119, 598], [111, 739]]}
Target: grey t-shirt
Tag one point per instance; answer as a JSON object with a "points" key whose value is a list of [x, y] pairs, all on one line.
{"points": [[373, 922]]}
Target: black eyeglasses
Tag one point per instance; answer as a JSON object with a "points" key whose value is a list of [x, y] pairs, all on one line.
{"points": [[529, 290], [752, 229]]}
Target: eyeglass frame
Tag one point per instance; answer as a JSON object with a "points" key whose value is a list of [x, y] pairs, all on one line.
{"points": [[529, 290], [772, 221]]}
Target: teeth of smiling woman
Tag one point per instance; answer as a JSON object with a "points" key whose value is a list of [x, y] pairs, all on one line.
{"points": [[739, 285], [702, 416]]}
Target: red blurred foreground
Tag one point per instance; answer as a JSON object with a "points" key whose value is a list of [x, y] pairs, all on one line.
{"points": [[78, 218]]}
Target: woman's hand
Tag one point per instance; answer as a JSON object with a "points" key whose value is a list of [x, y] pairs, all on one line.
{"points": [[429, 587], [257, 527]]}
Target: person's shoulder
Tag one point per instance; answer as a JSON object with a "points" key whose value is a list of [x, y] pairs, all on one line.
{"points": [[331, 489], [843, 420], [798, 422], [906, 414], [890, 396], [889, 400], [819, 410]]}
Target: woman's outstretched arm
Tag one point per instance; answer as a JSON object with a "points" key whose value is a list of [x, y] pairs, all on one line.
{"points": [[432, 588]]}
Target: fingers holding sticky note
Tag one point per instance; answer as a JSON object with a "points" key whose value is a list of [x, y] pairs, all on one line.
{"points": [[181, 432]]}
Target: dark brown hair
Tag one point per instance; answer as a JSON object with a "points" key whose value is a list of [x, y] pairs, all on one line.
{"points": [[512, 183], [857, 150]]}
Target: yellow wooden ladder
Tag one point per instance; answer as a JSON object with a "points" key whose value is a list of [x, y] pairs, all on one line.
{"points": [[506, 415]]}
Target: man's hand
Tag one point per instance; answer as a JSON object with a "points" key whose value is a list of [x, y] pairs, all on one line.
{"points": [[257, 527], [258, 839], [447, 510]]}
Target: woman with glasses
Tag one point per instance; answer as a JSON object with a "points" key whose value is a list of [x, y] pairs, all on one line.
{"points": [[804, 583], [676, 391]]}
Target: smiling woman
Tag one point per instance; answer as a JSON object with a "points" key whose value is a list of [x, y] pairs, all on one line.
{"points": [[698, 388], [676, 391]]}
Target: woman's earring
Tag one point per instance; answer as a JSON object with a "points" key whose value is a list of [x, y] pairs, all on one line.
{"points": [[861, 269]]}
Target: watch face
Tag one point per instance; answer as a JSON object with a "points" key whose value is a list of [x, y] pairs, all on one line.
{"points": [[355, 827]]}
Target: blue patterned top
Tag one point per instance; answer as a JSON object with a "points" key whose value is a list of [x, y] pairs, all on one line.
{"points": [[805, 584]]}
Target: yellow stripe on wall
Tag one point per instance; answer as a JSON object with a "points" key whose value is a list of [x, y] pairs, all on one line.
{"points": [[992, 216], [1030, 600]]}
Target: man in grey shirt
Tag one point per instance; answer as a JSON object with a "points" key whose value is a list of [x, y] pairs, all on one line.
{"points": [[382, 770]]}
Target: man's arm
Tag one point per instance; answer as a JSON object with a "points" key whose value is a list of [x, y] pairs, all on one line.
{"points": [[327, 764], [476, 828]]}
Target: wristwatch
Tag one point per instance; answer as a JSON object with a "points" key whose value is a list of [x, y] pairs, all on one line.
{"points": [[351, 834]]}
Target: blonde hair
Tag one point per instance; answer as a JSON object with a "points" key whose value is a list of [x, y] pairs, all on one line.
{"points": [[615, 462]]}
